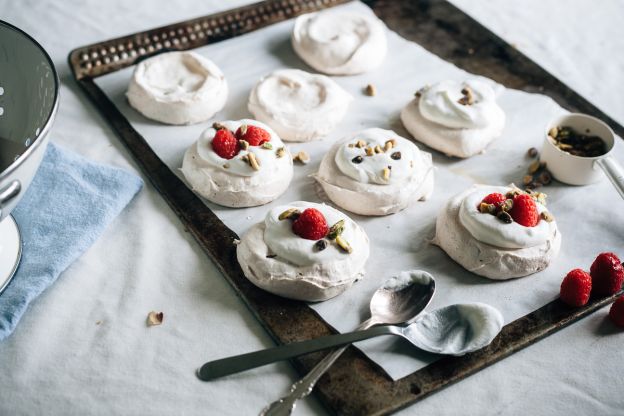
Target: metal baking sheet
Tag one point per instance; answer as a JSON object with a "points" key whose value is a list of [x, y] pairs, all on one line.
{"points": [[355, 385]]}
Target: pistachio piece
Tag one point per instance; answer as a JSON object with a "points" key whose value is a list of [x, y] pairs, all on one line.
{"points": [[267, 145], [507, 205], [154, 318], [369, 151], [378, 149], [344, 245], [336, 230], [244, 144], [504, 217], [280, 152], [527, 179], [253, 162], [385, 173], [389, 145], [532, 152], [243, 129], [226, 166], [320, 245], [547, 216], [545, 178], [486, 208], [370, 90], [468, 97], [289, 214], [553, 132], [534, 167], [218, 126], [360, 144], [302, 157]]}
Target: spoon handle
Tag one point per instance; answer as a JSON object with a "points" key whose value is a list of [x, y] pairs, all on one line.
{"points": [[302, 388], [230, 365]]}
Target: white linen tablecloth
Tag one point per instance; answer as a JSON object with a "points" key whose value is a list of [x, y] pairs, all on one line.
{"points": [[83, 347]]}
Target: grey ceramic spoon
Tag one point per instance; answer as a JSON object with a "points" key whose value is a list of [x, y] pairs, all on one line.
{"points": [[398, 301]]}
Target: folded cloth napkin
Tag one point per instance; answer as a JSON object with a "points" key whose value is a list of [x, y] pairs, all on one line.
{"points": [[69, 203]]}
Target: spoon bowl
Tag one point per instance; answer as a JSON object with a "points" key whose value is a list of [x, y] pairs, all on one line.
{"points": [[402, 298]]}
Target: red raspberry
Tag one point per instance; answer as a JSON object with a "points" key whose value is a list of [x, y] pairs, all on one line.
{"points": [[576, 287], [495, 199], [255, 136], [616, 313], [310, 225], [225, 144], [607, 274], [524, 211]]}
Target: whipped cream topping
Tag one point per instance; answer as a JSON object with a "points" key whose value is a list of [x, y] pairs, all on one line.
{"points": [[440, 103], [282, 241], [337, 42], [178, 88], [403, 160], [267, 158], [299, 105], [490, 230]]}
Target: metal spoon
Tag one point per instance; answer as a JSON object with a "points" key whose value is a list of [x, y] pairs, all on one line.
{"points": [[400, 300], [452, 330]]}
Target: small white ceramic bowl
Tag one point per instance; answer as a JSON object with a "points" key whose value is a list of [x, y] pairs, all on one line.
{"points": [[578, 170]]}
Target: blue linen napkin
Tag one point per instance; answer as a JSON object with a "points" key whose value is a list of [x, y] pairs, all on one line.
{"points": [[68, 205]]}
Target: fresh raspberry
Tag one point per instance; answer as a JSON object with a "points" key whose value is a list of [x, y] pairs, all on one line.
{"points": [[616, 313], [255, 136], [225, 144], [524, 211], [607, 274], [310, 225], [576, 287], [495, 199]]}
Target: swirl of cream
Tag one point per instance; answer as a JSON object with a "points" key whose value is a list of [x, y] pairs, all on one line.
{"points": [[340, 43], [442, 103], [300, 106], [280, 238], [489, 229], [401, 161], [178, 88]]}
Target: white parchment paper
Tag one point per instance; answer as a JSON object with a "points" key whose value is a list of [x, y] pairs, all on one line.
{"points": [[588, 217]]}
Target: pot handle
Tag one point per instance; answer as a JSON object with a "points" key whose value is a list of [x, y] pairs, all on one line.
{"points": [[10, 192], [613, 170]]}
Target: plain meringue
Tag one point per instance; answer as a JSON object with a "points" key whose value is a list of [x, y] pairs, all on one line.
{"points": [[458, 119], [298, 105], [233, 182], [340, 43], [375, 172], [484, 245], [279, 261], [178, 88]]}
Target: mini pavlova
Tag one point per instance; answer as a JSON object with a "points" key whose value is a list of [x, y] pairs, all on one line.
{"points": [[456, 118], [375, 172], [239, 163], [498, 232], [304, 251]]}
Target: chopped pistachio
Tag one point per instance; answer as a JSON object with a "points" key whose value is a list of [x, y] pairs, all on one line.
{"points": [[336, 230], [343, 244], [290, 214]]}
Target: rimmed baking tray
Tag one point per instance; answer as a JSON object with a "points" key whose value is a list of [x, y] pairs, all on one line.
{"points": [[355, 384]]}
